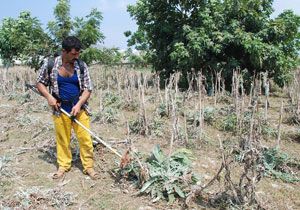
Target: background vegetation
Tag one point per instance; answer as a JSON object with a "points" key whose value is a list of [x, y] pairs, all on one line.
{"points": [[217, 36]]}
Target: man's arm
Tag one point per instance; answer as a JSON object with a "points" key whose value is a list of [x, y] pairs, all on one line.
{"points": [[44, 91], [87, 90]]}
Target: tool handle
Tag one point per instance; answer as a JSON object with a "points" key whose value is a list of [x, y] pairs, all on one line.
{"points": [[92, 133]]}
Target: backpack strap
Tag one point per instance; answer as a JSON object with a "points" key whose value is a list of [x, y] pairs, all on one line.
{"points": [[51, 65], [81, 67]]}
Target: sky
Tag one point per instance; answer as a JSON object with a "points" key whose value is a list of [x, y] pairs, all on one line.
{"points": [[116, 19]]}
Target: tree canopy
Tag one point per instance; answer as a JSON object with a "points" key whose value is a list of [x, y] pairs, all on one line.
{"points": [[24, 38], [216, 35]]}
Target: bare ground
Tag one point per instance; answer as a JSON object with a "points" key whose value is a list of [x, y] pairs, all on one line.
{"points": [[27, 162]]}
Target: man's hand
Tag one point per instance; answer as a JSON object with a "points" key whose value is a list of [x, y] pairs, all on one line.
{"points": [[53, 102], [83, 98], [75, 110]]}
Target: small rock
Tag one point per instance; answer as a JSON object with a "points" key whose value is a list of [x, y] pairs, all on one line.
{"points": [[275, 186], [125, 191]]}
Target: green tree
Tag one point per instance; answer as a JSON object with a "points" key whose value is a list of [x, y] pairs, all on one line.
{"points": [[106, 56], [62, 26], [22, 38], [86, 29], [216, 35], [139, 59]]}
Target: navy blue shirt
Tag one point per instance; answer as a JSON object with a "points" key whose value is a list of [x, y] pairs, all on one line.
{"points": [[68, 91]]}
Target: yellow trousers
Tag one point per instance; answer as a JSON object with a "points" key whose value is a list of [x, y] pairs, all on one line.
{"points": [[63, 126]]}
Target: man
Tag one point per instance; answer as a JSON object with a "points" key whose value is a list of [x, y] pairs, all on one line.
{"points": [[70, 88]]}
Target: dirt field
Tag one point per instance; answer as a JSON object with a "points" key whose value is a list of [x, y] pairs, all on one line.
{"points": [[27, 148]]}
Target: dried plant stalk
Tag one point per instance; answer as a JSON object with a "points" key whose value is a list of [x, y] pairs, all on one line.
{"points": [[279, 125]]}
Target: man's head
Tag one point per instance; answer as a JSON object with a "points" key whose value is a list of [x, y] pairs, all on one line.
{"points": [[71, 47]]}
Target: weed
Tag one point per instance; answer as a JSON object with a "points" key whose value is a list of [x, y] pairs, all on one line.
{"points": [[229, 123], [112, 100], [162, 110], [20, 98], [24, 120], [107, 115], [130, 105], [4, 167], [277, 165], [137, 126], [267, 130], [210, 115], [192, 118], [168, 177], [36, 198], [226, 99], [293, 119], [157, 127]]}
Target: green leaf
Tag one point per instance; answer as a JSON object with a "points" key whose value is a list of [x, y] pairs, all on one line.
{"points": [[171, 198], [147, 184], [158, 154], [179, 191]]}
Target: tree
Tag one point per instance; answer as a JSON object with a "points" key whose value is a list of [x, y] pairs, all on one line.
{"points": [[22, 38], [86, 29], [62, 26], [217, 35], [138, 59], [106, 56]]}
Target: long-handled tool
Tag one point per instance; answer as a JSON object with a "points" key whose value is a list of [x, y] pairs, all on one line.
{"points": [[92, 133], [33, 88]]}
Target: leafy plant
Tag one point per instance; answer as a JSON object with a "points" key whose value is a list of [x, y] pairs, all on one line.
{"points": [[107, 115], [156, 127], [277, 165], [162, 110], [112, 100], [209, 115], [137, 126], [168, 177]]}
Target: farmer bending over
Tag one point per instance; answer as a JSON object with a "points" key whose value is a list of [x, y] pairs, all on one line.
{"points": [[70, 88]]}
